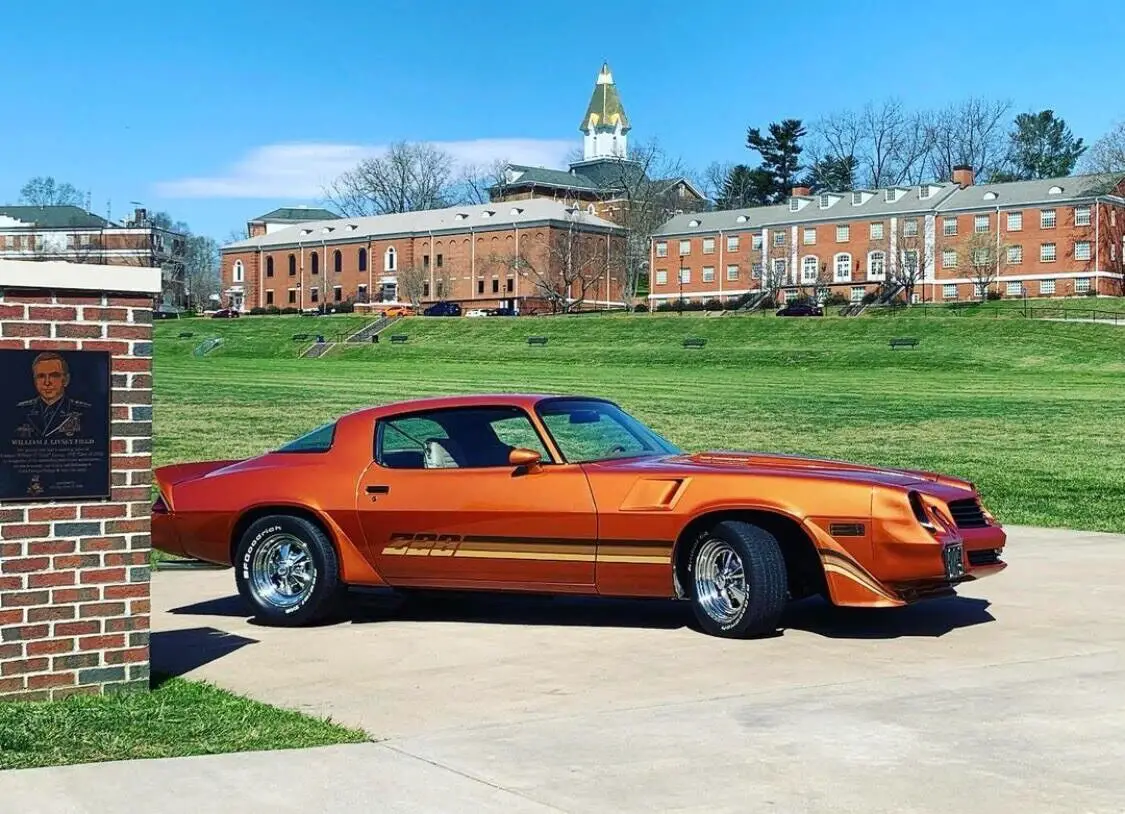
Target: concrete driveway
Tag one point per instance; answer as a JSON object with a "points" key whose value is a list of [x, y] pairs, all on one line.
{"points": [[1007, 698]]}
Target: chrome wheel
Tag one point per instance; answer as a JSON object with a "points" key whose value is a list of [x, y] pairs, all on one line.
{"points": [[282, 572], [720, 581]]}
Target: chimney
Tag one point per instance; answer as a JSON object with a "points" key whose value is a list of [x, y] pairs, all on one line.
{"points": [[140, 216], [255, 228], [801, 192], [963, 175]]}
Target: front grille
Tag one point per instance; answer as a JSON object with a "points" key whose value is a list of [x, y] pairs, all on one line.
{"points": [[985, 556], [967, 514]]}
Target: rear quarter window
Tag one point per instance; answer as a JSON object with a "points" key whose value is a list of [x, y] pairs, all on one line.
{"points": [[319, 440]]}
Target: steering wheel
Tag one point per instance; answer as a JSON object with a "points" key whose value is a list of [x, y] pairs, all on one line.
{"points": [[618, 448]]}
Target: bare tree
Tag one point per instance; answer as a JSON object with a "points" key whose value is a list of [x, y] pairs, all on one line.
{"points": [[480, 183], [409, 177], [412, 283], [984, 256], [46, 191], [912, 262], [1107, 155], [568, 265], [890, 143], [969, 132]]}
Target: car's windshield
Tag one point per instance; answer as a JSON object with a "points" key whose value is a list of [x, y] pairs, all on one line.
{"points": [[586, 430]]}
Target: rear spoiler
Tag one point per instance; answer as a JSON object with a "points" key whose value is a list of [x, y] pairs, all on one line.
{"points": [[167, 477]]}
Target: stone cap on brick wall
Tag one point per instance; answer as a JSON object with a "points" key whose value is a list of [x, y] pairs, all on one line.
{"points": [[62, 275]]}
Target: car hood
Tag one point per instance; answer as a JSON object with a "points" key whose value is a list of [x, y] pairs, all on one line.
{"points": [[772, 463]]}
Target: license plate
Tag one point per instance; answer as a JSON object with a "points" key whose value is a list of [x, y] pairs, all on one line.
{"points": [[953, 556]]}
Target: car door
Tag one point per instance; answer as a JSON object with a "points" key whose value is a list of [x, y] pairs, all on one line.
{"points": [[440, 504]]}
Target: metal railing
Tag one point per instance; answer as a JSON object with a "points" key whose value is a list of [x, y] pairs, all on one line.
{"points": [[986, 311]]}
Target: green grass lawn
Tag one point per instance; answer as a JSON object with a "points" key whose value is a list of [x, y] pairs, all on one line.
{"points": [[176, 719], [1029, 410]]}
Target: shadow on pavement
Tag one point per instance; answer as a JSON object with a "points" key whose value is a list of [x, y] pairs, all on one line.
{"points": [[175, 652], [226, 606], [931, 618]]}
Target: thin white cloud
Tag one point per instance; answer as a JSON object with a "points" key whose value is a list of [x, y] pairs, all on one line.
{"points": [[302, 169]]}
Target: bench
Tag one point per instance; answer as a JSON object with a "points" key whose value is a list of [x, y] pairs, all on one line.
{"points": [[186, 335], [903, 342], [398, 339], [300, 337], [694, 342], [537, 340]]}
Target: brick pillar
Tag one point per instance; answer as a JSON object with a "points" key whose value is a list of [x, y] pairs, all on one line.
{"points": [[74, 573]]}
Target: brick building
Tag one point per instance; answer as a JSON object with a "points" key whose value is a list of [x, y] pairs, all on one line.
{"points": [[1050, 237], [483, 256], [75, 235]]}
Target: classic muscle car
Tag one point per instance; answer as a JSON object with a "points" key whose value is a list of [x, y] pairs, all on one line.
{"points": [[566, 494]]}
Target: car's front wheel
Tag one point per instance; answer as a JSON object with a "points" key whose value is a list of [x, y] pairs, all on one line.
{"points": [[287, 569], [737, 580]]}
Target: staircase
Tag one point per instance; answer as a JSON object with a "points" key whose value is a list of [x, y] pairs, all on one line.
{"points": [[756, 303], [368, 331], [318, 349]]}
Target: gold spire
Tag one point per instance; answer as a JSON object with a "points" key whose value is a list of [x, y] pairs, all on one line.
{"points": [[605, 110]]}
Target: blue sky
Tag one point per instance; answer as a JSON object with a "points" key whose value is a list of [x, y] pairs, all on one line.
{"points": [[220, 111]]}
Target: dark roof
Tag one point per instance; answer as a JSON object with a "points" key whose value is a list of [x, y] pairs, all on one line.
{"points": [[545, 177], [296, 214], [56, 217]]}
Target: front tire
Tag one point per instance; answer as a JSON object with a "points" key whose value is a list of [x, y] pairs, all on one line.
{"points": [[737, 580], [287, 570]]}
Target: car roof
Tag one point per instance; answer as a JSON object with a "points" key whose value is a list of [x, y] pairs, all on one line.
{"points": [[525, 401]]}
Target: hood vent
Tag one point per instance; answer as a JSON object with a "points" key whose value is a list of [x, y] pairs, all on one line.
{"points": [[846, 529]]}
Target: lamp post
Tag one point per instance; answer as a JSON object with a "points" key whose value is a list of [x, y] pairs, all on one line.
{"points": [[680, 301]]}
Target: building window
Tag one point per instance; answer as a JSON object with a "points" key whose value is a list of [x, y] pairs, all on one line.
{"points": [[876, 266], [809, 237], [857, 293], [337, 261], [732, 273], [794, 205], [661, 277], [239, 271], [1081, 285], [685, 247], [685, 276], [390, 259], [857, 198], [495, 285], [292, 265], [708, 245], [949, 259], [843, 267], [510, 284], [843, 233], [363, 259], [949, 227], [337, 293], [292, 296], [269, 298], [756, 271], [425, 288], [1014, 289], [269, 266], [1047, 287], [1015, 221], [361, 293], [1015, 255], [1081, 216], [779, 268], [1047, 253], [662, 249], [314, 294], [980, 224], [809, 267], [825, 201], [779, 238], [910, 261], [756, 242], [949, 292], [732, 244], [890, 195], [480, 286], [910, 227], [1082, 250], [877, 231], [314, 263], [1047, 219], [708, 274]]}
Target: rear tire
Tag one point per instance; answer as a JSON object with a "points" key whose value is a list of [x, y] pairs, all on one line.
{"points": [[287, 570], [737, 580]]}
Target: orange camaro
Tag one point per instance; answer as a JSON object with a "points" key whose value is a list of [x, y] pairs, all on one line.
{"points": [[566, 494]]}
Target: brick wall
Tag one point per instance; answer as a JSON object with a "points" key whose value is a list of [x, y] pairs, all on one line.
{"points": [[74, 575]]}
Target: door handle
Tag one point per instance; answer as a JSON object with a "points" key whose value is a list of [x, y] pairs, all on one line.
{"points": [[378, 489]]}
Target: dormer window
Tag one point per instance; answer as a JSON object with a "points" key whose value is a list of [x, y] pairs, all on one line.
{"points": [[306, 231], [693, 223], [891, 195], [741, 219], [924, 192], [794, 204], [460, 216], [516, 211], [351, 227], [1055, 191], [990, 196], [327, 229], [825, 201], [857, 198], [488, 213]]}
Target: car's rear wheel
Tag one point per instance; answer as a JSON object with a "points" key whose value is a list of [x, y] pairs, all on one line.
{"points": [[287, 569], [737, 580]]}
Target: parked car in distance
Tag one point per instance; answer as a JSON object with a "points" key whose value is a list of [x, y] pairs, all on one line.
{"points": [[476, 312], [398, 311], [567, 494], [801, 309], [443, 309], [501, 312], [226, 313]]}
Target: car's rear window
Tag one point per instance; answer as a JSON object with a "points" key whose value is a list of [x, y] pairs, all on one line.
{"points": [[319, 440]]}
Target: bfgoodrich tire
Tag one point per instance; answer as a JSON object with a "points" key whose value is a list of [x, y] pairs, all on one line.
{"points": [[287, 570], [737, 580]]}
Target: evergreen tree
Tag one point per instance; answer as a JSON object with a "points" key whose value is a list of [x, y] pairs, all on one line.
{"points": [[1040, 146], [745, 186], [780, 150], [832, 173]]}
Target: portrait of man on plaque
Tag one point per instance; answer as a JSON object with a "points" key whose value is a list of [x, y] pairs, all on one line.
{"points": [[54, 424]]}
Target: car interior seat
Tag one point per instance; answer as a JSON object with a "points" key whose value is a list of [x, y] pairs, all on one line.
{"points": [[443, 453]]}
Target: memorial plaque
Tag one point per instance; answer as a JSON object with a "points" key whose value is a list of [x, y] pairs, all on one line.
{"points": [[54, 425]]}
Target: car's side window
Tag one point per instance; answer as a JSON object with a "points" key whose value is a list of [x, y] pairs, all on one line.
{"points": [[456, 438], [590, 435]]}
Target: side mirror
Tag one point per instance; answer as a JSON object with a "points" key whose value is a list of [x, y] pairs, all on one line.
{"points": [[528, 458]]}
